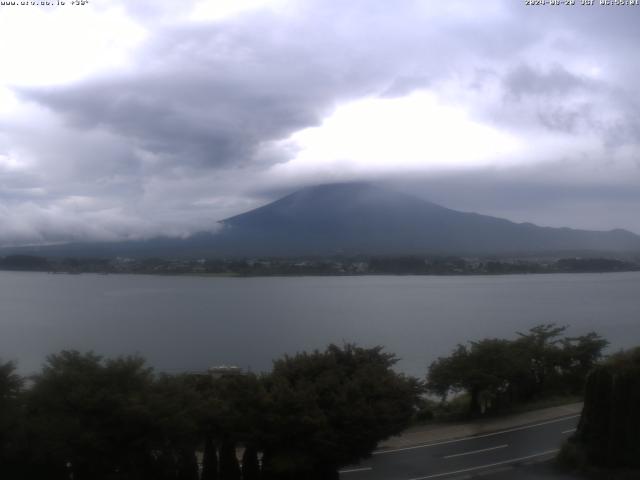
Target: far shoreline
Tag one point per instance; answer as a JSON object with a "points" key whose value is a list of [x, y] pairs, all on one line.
{"points": [[318, 275]]}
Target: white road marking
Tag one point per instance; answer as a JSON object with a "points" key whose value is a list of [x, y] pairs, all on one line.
{"points": [[354, 470], [516, 429], [476, 451], [481, 467], [571, 430]]}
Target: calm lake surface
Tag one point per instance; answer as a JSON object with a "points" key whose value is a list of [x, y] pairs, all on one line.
{"points": [[191, 323]]}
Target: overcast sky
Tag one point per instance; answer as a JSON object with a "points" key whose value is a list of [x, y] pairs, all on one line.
{"points": [[123, 119]]}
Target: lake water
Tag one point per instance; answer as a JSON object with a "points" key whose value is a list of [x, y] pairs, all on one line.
{"points": [[190, 323]]}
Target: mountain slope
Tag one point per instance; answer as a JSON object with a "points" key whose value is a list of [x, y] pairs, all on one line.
{"points": [[361, 218], [358, 218]]}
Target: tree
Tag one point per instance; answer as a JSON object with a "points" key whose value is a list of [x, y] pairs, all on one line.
{"points": [[209, 460], [10, 383], [24, 262], [229, 467], [187, 464], [329, 409], [609, 428], [485, 370], [91, 417], [233, 413], [580, 356], [496, 373], [178, 409], [250, 465], [11, 421], [540, 346]]}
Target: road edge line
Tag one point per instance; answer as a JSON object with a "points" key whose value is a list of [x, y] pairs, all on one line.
{"points": [[473, 437], [481, 467]]}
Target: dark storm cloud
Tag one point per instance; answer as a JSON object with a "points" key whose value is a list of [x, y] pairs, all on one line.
{"points": [[215, 94], [550, 91], [187, 133], [574, 103], [179, 118], [525, 80], [208, 97]]}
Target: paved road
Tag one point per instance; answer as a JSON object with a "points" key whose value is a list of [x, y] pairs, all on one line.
{"points": [[489, 454]]}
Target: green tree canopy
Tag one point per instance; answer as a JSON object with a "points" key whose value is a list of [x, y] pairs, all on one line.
{"points": [[11, 419], [87, 417], [609, 428], [498, 372], [331, 408], [91, 416], [485, 370]]}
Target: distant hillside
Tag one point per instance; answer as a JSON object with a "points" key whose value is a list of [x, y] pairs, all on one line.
{"points": [[359, 218]]}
